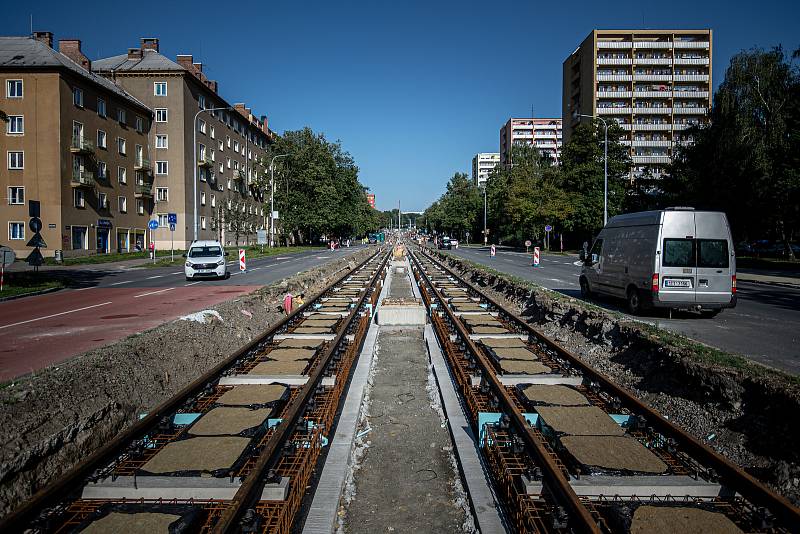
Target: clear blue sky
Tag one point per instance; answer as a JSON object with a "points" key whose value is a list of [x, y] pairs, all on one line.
{"points": [[412, 89]]}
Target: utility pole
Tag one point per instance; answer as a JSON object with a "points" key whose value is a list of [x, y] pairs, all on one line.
{"points": [[272, 198]]}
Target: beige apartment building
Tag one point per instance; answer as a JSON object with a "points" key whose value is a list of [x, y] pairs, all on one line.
{"points": [[654, 83], [76, 143], [544, 134], [231, 146]]}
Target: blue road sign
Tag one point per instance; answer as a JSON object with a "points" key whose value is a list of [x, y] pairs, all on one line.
{"points": [[172, 218], [548, 228], [153, 224], [171, 227]]}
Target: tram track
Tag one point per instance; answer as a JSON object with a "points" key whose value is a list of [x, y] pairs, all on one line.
{"points": [[235, 449], [543, 416]]}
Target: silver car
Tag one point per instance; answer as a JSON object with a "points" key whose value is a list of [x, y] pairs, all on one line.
{"points": [[676, 258]]}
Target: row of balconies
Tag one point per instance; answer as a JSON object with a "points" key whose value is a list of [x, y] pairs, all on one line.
{"points": [[651, 159], [652, 94], [646, 143], [662, 127], [622, 110], [83, 178], [652, 61], [652, 77], [652, 44]]}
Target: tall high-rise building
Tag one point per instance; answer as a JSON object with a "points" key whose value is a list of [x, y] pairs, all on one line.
{"points": [[654, 83], [228, 159], [482, 165], [544, 134], [77, 143]]}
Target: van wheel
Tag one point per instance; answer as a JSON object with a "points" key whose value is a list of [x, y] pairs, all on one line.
{"points": [[586, 293], [634, 302]]}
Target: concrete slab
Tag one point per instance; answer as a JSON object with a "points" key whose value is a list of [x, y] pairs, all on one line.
{"points": [[166, 487], [289, 380], [617, 486]]}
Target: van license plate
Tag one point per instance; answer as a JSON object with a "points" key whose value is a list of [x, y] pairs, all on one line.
{"points": [[672, 282]]}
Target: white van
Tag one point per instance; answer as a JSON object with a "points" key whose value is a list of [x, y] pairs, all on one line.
{"points": [[206, 259], [676, 258]]}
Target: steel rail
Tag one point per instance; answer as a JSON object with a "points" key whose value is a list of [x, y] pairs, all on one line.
{"points": [[19, 518], [554, 478], [731, 474], [249, 490]]}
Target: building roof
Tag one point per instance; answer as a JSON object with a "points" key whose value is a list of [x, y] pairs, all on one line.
{"points": [[29, 53], [150, 61]]}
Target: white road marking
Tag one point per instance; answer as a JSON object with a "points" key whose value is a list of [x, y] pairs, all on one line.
{"points": [[120, 283], [178, 272], [154, 292], [85, 288], [191, 284], [154, 277], [55, 315]]}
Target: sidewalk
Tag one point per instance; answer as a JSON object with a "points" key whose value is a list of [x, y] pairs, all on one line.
{"points": [[760, 277], [21, 266]]}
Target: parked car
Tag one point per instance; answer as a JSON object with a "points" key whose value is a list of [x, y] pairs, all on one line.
{"points": [[444, 243], [206, 259], [676, 258]]}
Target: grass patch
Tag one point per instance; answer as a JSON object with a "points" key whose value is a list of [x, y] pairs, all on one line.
{"points": [[16, 284], [252, 252], [108, 258]]}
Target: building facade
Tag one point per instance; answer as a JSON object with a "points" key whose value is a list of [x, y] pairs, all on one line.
{"points": [[544, 134], [229, 157], [76, 143], [482, 165], [654, 83]]}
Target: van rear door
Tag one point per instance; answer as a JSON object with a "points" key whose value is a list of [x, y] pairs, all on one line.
{"points": [[714, 262], [678, 272]]}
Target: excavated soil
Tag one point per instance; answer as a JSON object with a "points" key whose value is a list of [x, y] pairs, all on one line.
{"points": [[746, 413], [54, 418]]}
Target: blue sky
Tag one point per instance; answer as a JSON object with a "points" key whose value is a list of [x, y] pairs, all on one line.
{"points": [[412, 89]]}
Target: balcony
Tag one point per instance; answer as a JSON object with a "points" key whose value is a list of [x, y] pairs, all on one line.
{"points": [[614, 77], [652, 111], [691, 61], [239, 175], [690, 111], [81, 145], [613, 61], [652, 44], [614, 111], [691, 94], [652, 94], [613, 44], [652, 77], [651, 143], [651, 159], [691, 77], [205, 161], [685, 126], [691, 44], [648, 127], [82, 179], [143, 191], [653, 61], [614, 94], [141, 164]]}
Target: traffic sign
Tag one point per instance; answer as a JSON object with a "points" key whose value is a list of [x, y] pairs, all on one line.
{"points": [[37, 241], [35, 224], [7, 256], [242, 260], [535, 256], [35, 258], [171, 227], [548, 228], [172, 218], [261, 237], [153, 224], [528, 243]]}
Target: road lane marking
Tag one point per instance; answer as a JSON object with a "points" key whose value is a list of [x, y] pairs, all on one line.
{"points": [[55, 315], [156, 276], [154, 292], [85, 288], [191, 283], [120, 283]]}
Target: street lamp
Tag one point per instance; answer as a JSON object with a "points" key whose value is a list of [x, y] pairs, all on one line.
{"points": [[272, 198], [485, 233], [605, 165], [194, 127]]}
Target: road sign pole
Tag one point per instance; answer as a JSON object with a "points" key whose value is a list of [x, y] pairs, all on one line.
{"points": [[172, 245], [2, 271]]}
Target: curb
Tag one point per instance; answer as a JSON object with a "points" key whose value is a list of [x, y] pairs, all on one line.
{"points": [[32, 294], [768, 283]]}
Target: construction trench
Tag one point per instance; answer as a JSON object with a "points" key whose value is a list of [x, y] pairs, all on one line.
{"points": [[402, 398]]}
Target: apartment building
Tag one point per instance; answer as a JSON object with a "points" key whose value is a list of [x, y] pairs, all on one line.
{"points": [[482, 165], [654, 83], [75, 142], [229, 156], [544, 134]]}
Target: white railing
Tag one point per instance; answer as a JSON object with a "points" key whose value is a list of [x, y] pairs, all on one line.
{"points": [[682, 126], [691, 94], [691, 77], [613, 61], [650, 127], [614, 94], [691, 61], [651, 143], [613, 111], [614, 77], [690, 111], [691, 44], [613, 44], [652, 44], [652, 94], [651, 159], [652, 77], [652, 111], [653, 61]]}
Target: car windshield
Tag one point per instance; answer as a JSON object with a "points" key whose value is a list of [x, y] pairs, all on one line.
{"points": [[204, 252]]}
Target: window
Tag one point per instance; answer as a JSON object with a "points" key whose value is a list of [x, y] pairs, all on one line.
{"points": [[122, 175], [140, 207], [16, 160], [236, 146], [16, 195], [712, 253], [122, 146], [13, 88], [16, 230], [160, 88], [202, 198], [221, 167], [139, 124], [15, 125], [121, 116], [78, 198], [77, 97], [221, 145], [138, 154], [201, 101], [228, 161], [102, 170], [161, 114], [201, 126], [161, 141], [212, 132], [102, 201], [213, 201], [228, 140], [201, 152], [202, 222], [162, 194], [162, 167], [163, 220], [122, 202], [101, 139], [101, 107], [138, 177], [678, 253]]}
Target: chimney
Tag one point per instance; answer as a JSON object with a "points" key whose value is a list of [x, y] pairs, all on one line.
{"points": [[45, 37], [72, 49], [134, 53], [185, 61], [149, 43], [265, 124], [198, 66], [212, 84]]}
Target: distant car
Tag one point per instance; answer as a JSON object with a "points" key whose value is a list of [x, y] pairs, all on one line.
{"points": [[206, 259], [454, 243], [445, 243]]}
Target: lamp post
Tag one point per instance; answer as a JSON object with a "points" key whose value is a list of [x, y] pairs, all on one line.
{"points": [[605, 165], [272, 198], [485, 229], [194, 127]]}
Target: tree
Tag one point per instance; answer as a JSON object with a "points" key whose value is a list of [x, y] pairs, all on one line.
{"points": [[238, 217]]}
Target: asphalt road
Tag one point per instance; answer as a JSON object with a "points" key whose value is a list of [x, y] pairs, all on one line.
{"points": [[104, 305], [764, 326]]}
